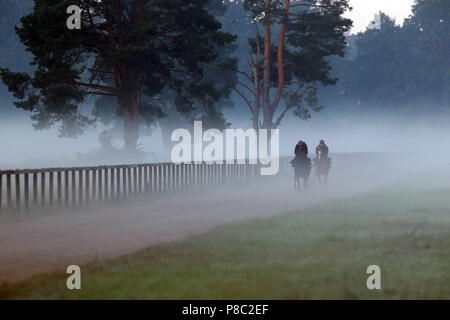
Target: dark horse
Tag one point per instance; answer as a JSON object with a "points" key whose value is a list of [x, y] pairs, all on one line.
{"points": [[302, 170], [321, 169]]}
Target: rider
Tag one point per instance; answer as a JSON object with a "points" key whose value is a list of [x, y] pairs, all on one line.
{"points": [[322, 151], [301, 149], [301, 154]]}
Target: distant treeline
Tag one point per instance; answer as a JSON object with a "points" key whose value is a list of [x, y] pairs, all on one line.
{"points": [[404, 66]]}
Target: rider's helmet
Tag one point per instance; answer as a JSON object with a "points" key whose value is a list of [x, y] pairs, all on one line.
{"points": [[322, 141]]}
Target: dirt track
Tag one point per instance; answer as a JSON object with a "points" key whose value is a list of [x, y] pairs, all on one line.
{"points": [[54, 242]]}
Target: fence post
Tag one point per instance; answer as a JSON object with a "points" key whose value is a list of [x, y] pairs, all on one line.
{"points": [[118, 191], [80, 187], [135, 182], [59, 186], [74, 199], [210, 174], [66, 187], [227, 173], [177, 178], [8, 190], [106, 183], [17, 176], [153, 178], [87, 178], [150, 179], [130, 186], [100, 184], [94, 185], [42, 188], [113, 181], [223, 171], [217, 174], [182, 182], [26, 191], [118, 183], [140, 179], [51, 188], [1, 191], [165, 181], [35, 192], [173, 174], [160, 181], [189, 173], [124, 182]]}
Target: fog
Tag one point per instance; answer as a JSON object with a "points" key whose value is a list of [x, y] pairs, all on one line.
{"points": [[368, 152], [112, 229], [21, 146]]}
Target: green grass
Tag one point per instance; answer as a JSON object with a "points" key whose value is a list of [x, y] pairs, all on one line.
{"points": [[317, 253]]}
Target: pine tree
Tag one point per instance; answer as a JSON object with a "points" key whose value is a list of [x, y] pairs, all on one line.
{"points": [[126, 49]]}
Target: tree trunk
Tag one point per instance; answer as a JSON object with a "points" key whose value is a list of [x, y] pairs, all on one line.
{"points": [[130, 134], [280, 58], [131, 124], [267, 122]]}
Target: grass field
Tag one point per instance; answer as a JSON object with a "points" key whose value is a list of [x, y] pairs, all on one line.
{"points": [[317, 253]]}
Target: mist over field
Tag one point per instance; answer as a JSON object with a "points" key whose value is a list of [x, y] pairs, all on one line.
{"points": [[22, 146]]}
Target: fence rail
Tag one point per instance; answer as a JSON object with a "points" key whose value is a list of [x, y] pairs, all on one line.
{"points": [[25, 189]]}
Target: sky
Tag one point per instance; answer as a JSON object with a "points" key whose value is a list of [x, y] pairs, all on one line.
{"points": [[364, 11]]}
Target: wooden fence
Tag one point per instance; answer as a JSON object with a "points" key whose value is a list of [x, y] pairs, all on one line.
{"points": [[25, 189]]}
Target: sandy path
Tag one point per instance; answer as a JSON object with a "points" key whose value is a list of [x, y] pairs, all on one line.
{"points": [[54, 242]]}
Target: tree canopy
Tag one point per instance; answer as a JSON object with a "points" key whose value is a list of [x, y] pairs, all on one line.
{"points": [[397, 66], [127, 49], [289, 44]]}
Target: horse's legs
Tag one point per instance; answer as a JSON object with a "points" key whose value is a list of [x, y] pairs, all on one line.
{"points": [[297, 183]]}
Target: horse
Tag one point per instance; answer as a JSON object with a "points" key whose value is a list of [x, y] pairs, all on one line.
{"points": [[321, 169], [302, 170]]}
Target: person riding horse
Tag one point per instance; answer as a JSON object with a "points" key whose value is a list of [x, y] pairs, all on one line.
{"points": [[301, 164], [322, 151], [322, 163], [301, 149]]}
